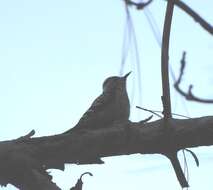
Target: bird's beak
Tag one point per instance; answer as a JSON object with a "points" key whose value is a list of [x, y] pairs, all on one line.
{"points": [[126, 75]]}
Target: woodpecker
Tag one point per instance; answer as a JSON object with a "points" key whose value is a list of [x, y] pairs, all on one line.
{"points": [[112, 105]]}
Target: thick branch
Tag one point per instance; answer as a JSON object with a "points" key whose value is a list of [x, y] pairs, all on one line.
{"points": [[42, 153]]}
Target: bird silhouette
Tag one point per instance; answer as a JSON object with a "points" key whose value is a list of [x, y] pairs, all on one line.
{"points": [[112, 105]]}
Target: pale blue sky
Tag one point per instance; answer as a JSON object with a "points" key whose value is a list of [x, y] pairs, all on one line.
{"points": [[54, 57]]}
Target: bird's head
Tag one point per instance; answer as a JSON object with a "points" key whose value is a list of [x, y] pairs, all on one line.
{"points": [[115, 82]]}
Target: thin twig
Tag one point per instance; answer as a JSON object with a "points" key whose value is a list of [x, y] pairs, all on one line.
{"points": [[208, 27], [79, 184], [194, 15], [188, 95], [151, 111], [157, 111], [27, 136], [146, 120]]}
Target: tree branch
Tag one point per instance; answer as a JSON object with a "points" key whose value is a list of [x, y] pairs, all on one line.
{"points": [[35, 155], [188, 95], [194, 15], [165, 60]]}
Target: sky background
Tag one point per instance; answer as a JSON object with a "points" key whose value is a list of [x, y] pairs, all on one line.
{"points": [[54, 57]]}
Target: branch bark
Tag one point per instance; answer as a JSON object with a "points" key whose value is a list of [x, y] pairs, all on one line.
{"points": [[34, 155], [165, 60]]}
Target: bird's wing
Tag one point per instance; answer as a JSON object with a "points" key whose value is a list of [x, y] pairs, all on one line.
{"points": [[96, 112], [99, 104]]}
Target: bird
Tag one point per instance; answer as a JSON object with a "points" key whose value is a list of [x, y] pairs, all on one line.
{"points": [[112, 105]]}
